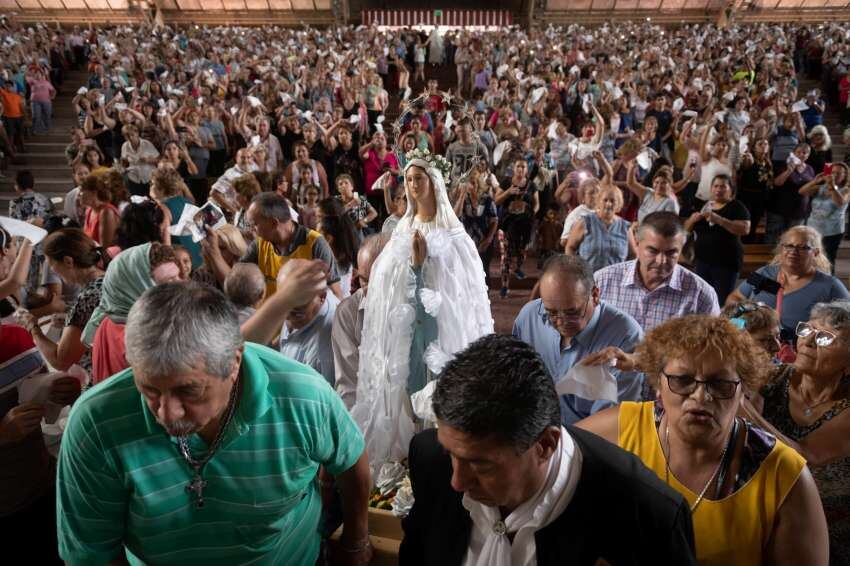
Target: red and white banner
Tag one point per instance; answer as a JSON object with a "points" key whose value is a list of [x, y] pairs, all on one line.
{"points": [[454, 18]]}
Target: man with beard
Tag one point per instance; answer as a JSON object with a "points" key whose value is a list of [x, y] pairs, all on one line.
{"points": [[654, 288], [570, 322], [206, 450]]}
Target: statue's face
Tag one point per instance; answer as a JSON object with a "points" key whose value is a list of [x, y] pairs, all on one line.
{"points": [[418, 185]]}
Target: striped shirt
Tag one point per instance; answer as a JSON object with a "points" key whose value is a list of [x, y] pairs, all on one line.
{"points": [[121, 481], [684, 293]]}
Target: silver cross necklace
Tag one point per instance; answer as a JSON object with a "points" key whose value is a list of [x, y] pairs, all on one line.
{"points": [[198, 483]]}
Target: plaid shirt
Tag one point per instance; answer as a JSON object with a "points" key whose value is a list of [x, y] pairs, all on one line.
{"points": [[684, 293]]}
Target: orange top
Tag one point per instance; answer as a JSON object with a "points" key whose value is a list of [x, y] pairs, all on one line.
{"points": [[13, 104]]}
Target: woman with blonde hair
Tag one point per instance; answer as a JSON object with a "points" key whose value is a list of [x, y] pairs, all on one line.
{"points": [[751, 496], [821, 145], [830, 193], [796, 280], [603, 238], [229, 241]]}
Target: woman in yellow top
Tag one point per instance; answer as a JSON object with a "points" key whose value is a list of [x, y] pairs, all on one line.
{"points": [[752, 497]]}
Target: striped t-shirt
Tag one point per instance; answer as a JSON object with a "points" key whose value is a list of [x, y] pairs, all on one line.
{"points": [[121, 480]]}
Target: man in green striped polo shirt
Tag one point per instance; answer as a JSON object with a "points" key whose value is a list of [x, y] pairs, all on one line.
{"points": [[206, 450]]}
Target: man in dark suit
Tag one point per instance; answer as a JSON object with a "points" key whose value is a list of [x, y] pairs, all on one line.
{"points": [[502, 483]]}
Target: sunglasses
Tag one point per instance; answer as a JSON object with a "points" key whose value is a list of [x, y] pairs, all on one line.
{"points": [[685, 385], [823, 338]]}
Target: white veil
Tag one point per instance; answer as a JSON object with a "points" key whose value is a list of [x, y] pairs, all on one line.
{"points": [[446, 217], [454, 293]]}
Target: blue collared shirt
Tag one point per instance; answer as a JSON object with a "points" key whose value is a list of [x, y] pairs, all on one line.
{"points": [[311, 345], [609, 326]]}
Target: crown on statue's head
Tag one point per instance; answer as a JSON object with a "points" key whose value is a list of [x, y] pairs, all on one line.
{"points": [[434, 160]]}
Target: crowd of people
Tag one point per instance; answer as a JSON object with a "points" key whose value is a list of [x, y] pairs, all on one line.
{"points": [[281, 241]]}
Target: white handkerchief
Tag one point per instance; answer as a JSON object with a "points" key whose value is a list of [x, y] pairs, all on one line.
{"points": [[594, 383], [537, 94], [254, 101], [799, 106], [23, 229], [690, 113], [644, 160], [678, 104], [421, 402], [499, 150]]}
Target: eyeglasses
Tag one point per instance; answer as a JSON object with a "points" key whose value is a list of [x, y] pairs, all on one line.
{"points": [[791, 248], [685, 385], [549, 315], [823, 338]]}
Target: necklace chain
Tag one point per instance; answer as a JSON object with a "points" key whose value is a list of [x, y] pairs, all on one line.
{"points": [[710, 480], [808, 410], [198, 484]]}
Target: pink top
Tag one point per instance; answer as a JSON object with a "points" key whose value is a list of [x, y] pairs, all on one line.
{"points": [[41, 90], [372, 167], [107, 353]]}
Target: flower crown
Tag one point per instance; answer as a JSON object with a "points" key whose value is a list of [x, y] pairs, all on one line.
{"points": [[434, 160]]}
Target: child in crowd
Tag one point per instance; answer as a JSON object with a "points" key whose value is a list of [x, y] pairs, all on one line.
{"points": [[308, 209], [549, 236]]}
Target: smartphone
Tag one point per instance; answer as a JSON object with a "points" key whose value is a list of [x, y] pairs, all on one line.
{"points": [[827, 169], [761, 283]]}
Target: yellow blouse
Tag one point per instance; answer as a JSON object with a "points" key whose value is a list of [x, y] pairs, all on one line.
{"points": [[731, 531]]}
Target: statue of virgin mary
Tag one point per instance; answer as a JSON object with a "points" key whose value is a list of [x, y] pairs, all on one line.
{"points": [[427, 300]]}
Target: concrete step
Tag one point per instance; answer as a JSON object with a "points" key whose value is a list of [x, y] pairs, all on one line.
{"points": [[41, 157], [42, 184], [43, 169], [39, 145]]}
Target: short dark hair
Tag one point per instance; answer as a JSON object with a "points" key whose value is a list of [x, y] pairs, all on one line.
{"points": [[664, 223], [139, 224], [572, 265], [498, 386], [24, 180]]}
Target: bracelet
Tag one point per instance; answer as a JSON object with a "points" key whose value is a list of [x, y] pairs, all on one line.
{"points": [[367, 543]]}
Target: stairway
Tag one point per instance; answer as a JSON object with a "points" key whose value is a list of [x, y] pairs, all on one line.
{"points": [[45, 156]]}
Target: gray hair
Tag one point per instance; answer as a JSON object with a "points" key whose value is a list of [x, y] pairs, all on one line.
{"points": [[571, 266], [176, 327], [836, 314], [372, 246], [272, 206], [245, 284]]}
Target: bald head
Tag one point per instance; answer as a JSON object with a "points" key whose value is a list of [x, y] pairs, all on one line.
{"points": [[366, 256], [245, 285], [561, 269]]}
